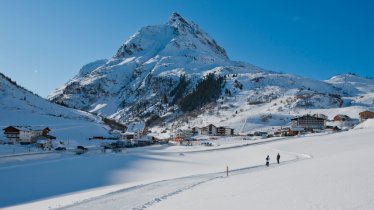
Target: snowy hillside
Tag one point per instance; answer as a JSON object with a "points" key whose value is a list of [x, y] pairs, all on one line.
{"points": [[360, 90], [21, 107], [269, 100], [160, 73]]}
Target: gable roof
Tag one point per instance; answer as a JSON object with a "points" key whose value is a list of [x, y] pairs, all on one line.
{"points": [[366, 112], [342, 116], [27, 128], [211, 125]]}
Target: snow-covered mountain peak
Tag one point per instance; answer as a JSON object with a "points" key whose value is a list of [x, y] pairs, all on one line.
{"points": [[163, 71], [183, 26], [177, 20], [359, 87], [350, 78], [177, 37], [190, 31]]}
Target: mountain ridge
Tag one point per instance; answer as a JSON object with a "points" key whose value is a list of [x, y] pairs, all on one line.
{"points": [[136, 83]]}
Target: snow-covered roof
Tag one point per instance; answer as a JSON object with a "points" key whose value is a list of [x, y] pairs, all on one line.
{"points": [[342, 116], [305, 116], [41, 141], [162, 136], [321, 116], [30, 128], [225, 127], [145, 138]]}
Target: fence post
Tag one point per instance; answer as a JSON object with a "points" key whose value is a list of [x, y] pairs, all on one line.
{"points": [[227, 171]]}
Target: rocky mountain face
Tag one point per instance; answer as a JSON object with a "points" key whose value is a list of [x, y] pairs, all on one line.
{"points": [[164, 71]]}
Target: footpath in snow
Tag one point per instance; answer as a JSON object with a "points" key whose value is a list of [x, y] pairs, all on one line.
{"points": [[144, 196]]}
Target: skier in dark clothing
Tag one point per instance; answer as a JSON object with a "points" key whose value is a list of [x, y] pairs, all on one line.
{"points": [[267, 161], [278, 158]]}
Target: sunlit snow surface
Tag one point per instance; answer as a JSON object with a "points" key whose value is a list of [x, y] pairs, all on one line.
{"points": [[322, 171]]}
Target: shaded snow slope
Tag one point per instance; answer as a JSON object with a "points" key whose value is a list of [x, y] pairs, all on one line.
{"points": [[21, 107], [93, 170]]}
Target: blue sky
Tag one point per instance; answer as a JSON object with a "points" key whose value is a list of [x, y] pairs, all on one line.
{"points": [[43, 43]]}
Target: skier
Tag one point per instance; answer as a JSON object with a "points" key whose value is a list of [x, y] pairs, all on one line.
{"points": [[278, 158], [267, 161]]}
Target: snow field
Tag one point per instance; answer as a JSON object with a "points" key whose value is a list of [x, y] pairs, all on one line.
{"points": [[91, 172], [338, 176], [316, 172]]}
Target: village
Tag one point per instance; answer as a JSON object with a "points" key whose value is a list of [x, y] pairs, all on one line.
{"points": [[38, 138]]}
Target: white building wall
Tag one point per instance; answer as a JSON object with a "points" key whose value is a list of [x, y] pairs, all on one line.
{"points": [[228, 131], [26, 136]]}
